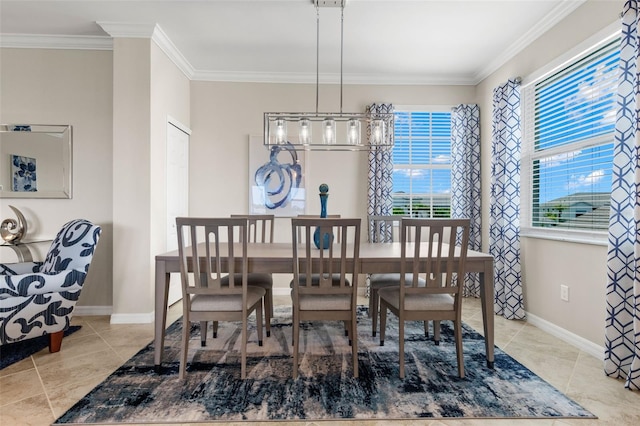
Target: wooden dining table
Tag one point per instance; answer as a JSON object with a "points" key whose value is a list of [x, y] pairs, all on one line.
{"points": [[277, 258]]}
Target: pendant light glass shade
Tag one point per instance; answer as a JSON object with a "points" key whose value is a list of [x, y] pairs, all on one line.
{"points": [[378, 136], [329, 131], [304, 131], [280, 130], [353, 132]]}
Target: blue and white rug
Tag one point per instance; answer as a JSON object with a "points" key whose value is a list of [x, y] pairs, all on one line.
{"points": [[325, 389], [14, 352]]}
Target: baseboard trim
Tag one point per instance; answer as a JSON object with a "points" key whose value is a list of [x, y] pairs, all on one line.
{"points": [[581, 343], [93, 310], [145, 318]]}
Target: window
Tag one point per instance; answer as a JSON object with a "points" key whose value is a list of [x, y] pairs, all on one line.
{"points": [[567, 155], [422, 164]]}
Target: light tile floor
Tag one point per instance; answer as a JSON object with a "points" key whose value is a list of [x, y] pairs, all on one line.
{"points": [[37, 390]]}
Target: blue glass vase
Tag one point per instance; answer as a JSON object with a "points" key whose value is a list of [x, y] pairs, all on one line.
{"points": [[326, 239]]}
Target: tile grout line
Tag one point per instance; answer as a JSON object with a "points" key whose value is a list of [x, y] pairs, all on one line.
{"points": [[97, 333], [513, 337], [573, 372], [44, 389]]}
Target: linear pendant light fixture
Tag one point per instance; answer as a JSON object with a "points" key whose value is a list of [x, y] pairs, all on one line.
{"points": [[328, 131]]}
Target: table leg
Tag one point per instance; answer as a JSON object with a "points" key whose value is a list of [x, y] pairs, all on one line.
{"points": [[486, 298], [162, 295]]}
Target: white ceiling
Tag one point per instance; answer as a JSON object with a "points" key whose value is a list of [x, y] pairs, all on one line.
{"points": [[385, 41]]}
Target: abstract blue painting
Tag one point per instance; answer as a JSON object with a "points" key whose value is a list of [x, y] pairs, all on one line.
{"points": [[276, 180], [24, 173]]}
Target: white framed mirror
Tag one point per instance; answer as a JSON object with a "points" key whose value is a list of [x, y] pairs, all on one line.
{"points": [[35, 161]]}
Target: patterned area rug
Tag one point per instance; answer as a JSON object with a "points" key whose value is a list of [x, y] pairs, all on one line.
{"points": [[325, 389], [14, 352]]}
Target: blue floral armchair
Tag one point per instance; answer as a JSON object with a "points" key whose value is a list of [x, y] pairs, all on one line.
{"points": [[38, 298]]}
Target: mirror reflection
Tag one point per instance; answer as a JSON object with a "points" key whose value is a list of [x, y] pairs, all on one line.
{"points": [[35, 161]]}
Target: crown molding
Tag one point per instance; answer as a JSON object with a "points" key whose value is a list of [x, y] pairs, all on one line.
{"points": [[403, 79], [166, 45], [36, 41], [128, 29], [328, 78], [153, 32], [552, 18]]}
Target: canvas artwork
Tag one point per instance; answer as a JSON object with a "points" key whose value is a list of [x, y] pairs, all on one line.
{"points": [[23, 170], [276, 180]]}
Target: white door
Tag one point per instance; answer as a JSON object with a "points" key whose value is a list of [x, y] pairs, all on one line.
{"points": [[177, 191]]}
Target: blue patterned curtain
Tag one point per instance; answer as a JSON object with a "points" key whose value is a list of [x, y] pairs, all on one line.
{"points": [[504, 220], [465, 179], [379, 197], [622, 329]]}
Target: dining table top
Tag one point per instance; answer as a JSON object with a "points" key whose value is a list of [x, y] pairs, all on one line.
{"points": [[373, 257]]}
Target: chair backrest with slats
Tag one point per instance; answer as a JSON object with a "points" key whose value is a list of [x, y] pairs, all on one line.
{"points": [[434, 256], [332, 270], [315, 216], [384, 229], [260, 227], [206, 239]]}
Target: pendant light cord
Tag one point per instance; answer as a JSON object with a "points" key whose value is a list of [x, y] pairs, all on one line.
{"points": [[317, 54], [341, 49]]}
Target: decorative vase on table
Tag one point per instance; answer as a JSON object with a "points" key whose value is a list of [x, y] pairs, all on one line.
{"points": [[326, 238]]}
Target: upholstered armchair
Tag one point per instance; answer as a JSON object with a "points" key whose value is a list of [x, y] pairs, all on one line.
{"points": [[38, 298]]}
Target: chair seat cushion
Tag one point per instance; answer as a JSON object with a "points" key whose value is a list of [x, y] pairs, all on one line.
{"points": [[325, 302], [257, 279], [417, 302], [386, 280], [226, 302]]}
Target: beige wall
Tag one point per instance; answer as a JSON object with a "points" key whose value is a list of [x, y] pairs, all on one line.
{"points": [[223, 115], [170, 97], [148, 89], [42, 86], [132, 177], [118, 103], [546, 264]]}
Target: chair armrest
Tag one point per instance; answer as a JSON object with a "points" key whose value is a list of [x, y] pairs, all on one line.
{"points": [[19, 268], [30, 284]]}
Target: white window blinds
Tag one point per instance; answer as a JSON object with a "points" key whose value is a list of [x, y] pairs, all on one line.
{"points": [[422, 164], [569, 120]]}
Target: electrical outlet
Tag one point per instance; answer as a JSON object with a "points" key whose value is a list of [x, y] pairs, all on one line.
{"points": [[564, 292]]}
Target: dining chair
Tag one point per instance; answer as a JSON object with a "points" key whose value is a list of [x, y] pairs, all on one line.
{"points": [[325, 281], [385, 229], [337, 232], [441, 264], [204, 296], [314, 277], [260, 229]]}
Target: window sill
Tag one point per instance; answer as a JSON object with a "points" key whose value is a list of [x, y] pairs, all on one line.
{"points": [[599, 238]]}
